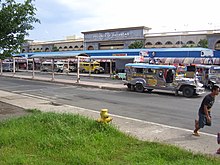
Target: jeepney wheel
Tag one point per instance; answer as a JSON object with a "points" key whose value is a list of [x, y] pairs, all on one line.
{"points": [[96, 71], [139, 88], [129, 86], [188, 91]]}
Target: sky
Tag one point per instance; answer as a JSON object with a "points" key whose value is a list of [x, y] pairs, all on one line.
{"points": [[62, 18]]}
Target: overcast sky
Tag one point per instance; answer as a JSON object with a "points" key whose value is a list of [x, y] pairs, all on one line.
{"points": [[61, 18]]}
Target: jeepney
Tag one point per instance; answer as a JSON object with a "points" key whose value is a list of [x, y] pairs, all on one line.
{"points": [[208, 75], [142, 76], [93, 67]]}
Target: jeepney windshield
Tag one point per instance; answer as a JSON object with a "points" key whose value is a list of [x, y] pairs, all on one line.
{"points": [[214, 71]]}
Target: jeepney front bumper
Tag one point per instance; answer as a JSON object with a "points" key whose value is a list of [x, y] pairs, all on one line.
{"points": [[125, 82], [199, 90]]}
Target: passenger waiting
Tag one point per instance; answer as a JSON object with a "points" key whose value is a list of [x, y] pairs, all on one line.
{"points": [[169, 76]]}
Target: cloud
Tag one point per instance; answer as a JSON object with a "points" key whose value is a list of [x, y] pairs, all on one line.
{"points": [[68, 17]]}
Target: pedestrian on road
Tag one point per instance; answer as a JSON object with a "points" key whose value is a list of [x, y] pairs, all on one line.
{"points": [[218, 141], [205, 110]]}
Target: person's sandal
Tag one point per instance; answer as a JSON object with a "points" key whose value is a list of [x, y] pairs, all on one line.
{"points": [[218, 151], [196, 134]]}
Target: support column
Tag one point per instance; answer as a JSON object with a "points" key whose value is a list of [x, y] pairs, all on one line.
{"points": [[52, 69], [78, 65], [33, 68]]}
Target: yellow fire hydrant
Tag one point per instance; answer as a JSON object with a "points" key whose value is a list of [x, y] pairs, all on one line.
{"points": [[104, 116]]}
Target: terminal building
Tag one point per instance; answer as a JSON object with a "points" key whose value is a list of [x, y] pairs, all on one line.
{"points": [[121, 38], [110, 47]]}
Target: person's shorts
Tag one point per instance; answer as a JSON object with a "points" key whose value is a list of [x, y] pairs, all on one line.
{"points": [[203, 121]]}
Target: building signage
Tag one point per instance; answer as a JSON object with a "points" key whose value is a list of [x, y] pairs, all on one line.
{"points": [[139, 59], [144, 53], [207, 53], [114, 35]]}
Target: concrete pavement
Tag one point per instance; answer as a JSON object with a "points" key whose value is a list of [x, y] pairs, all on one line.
{"points": [[102, 85], [205, 144]]}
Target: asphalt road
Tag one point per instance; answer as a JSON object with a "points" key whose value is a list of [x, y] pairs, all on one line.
{"points": [[163, 108]]}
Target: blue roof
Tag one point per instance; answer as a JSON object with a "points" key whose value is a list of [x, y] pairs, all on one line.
{"points": [[159, 52], [152, 66], [51, 55]]}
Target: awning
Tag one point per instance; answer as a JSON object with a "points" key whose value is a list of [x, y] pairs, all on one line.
{"points": [[188, 61], [198, 60], [169, 61], [217, 61], [59, 55], [163, 60], [113, 57], [178, 60], [208, 61]]}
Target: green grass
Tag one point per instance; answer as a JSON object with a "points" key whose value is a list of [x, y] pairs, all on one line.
{"points": [[58, 139]]}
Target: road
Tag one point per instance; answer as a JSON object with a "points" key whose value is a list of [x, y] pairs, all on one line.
{"points": [[163, 108]]}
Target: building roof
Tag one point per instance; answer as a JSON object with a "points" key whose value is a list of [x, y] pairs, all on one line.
{"points": [[112, 54], [50, 55], [118, 29]]}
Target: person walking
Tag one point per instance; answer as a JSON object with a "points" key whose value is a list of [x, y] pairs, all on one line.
{"points": [[205, 110]]}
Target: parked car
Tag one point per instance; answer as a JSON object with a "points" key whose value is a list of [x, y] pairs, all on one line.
{"points": [[8, 67], [46, 66], [142, 76]]}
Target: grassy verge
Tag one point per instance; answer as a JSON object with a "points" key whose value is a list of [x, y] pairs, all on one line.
{"points": [[56, 139]]}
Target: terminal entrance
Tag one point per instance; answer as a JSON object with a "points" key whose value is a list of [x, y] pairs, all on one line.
{"points": [[107, 46]]}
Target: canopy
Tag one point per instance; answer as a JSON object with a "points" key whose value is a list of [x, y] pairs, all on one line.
{"points": [[150, 66], [60, 55]]}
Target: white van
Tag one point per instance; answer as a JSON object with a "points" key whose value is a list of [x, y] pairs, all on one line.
{"points": [[46, 66], [8, 67]]}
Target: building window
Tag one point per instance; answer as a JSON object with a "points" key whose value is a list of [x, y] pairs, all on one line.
{"points": [[76, 48], [148, 43], [158, 43], [90, 48], [70, 47], [217, 45], [168, 43], [179, 42], [190, 43]]}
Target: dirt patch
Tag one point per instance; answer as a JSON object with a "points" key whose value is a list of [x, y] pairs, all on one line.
{"points": [[8, 111]]}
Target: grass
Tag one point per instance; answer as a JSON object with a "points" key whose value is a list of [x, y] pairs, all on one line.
{"points": [[58, 139]]}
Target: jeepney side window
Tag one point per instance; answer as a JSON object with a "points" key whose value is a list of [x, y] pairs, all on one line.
{"points": [[128, 70], [139, 70], [213, 71], [149, 70], [160, 73]]}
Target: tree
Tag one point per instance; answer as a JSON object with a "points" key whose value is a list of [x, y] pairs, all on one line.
{"points": [[16, 19], [55, 49], [203, 43], [136, 45]]}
